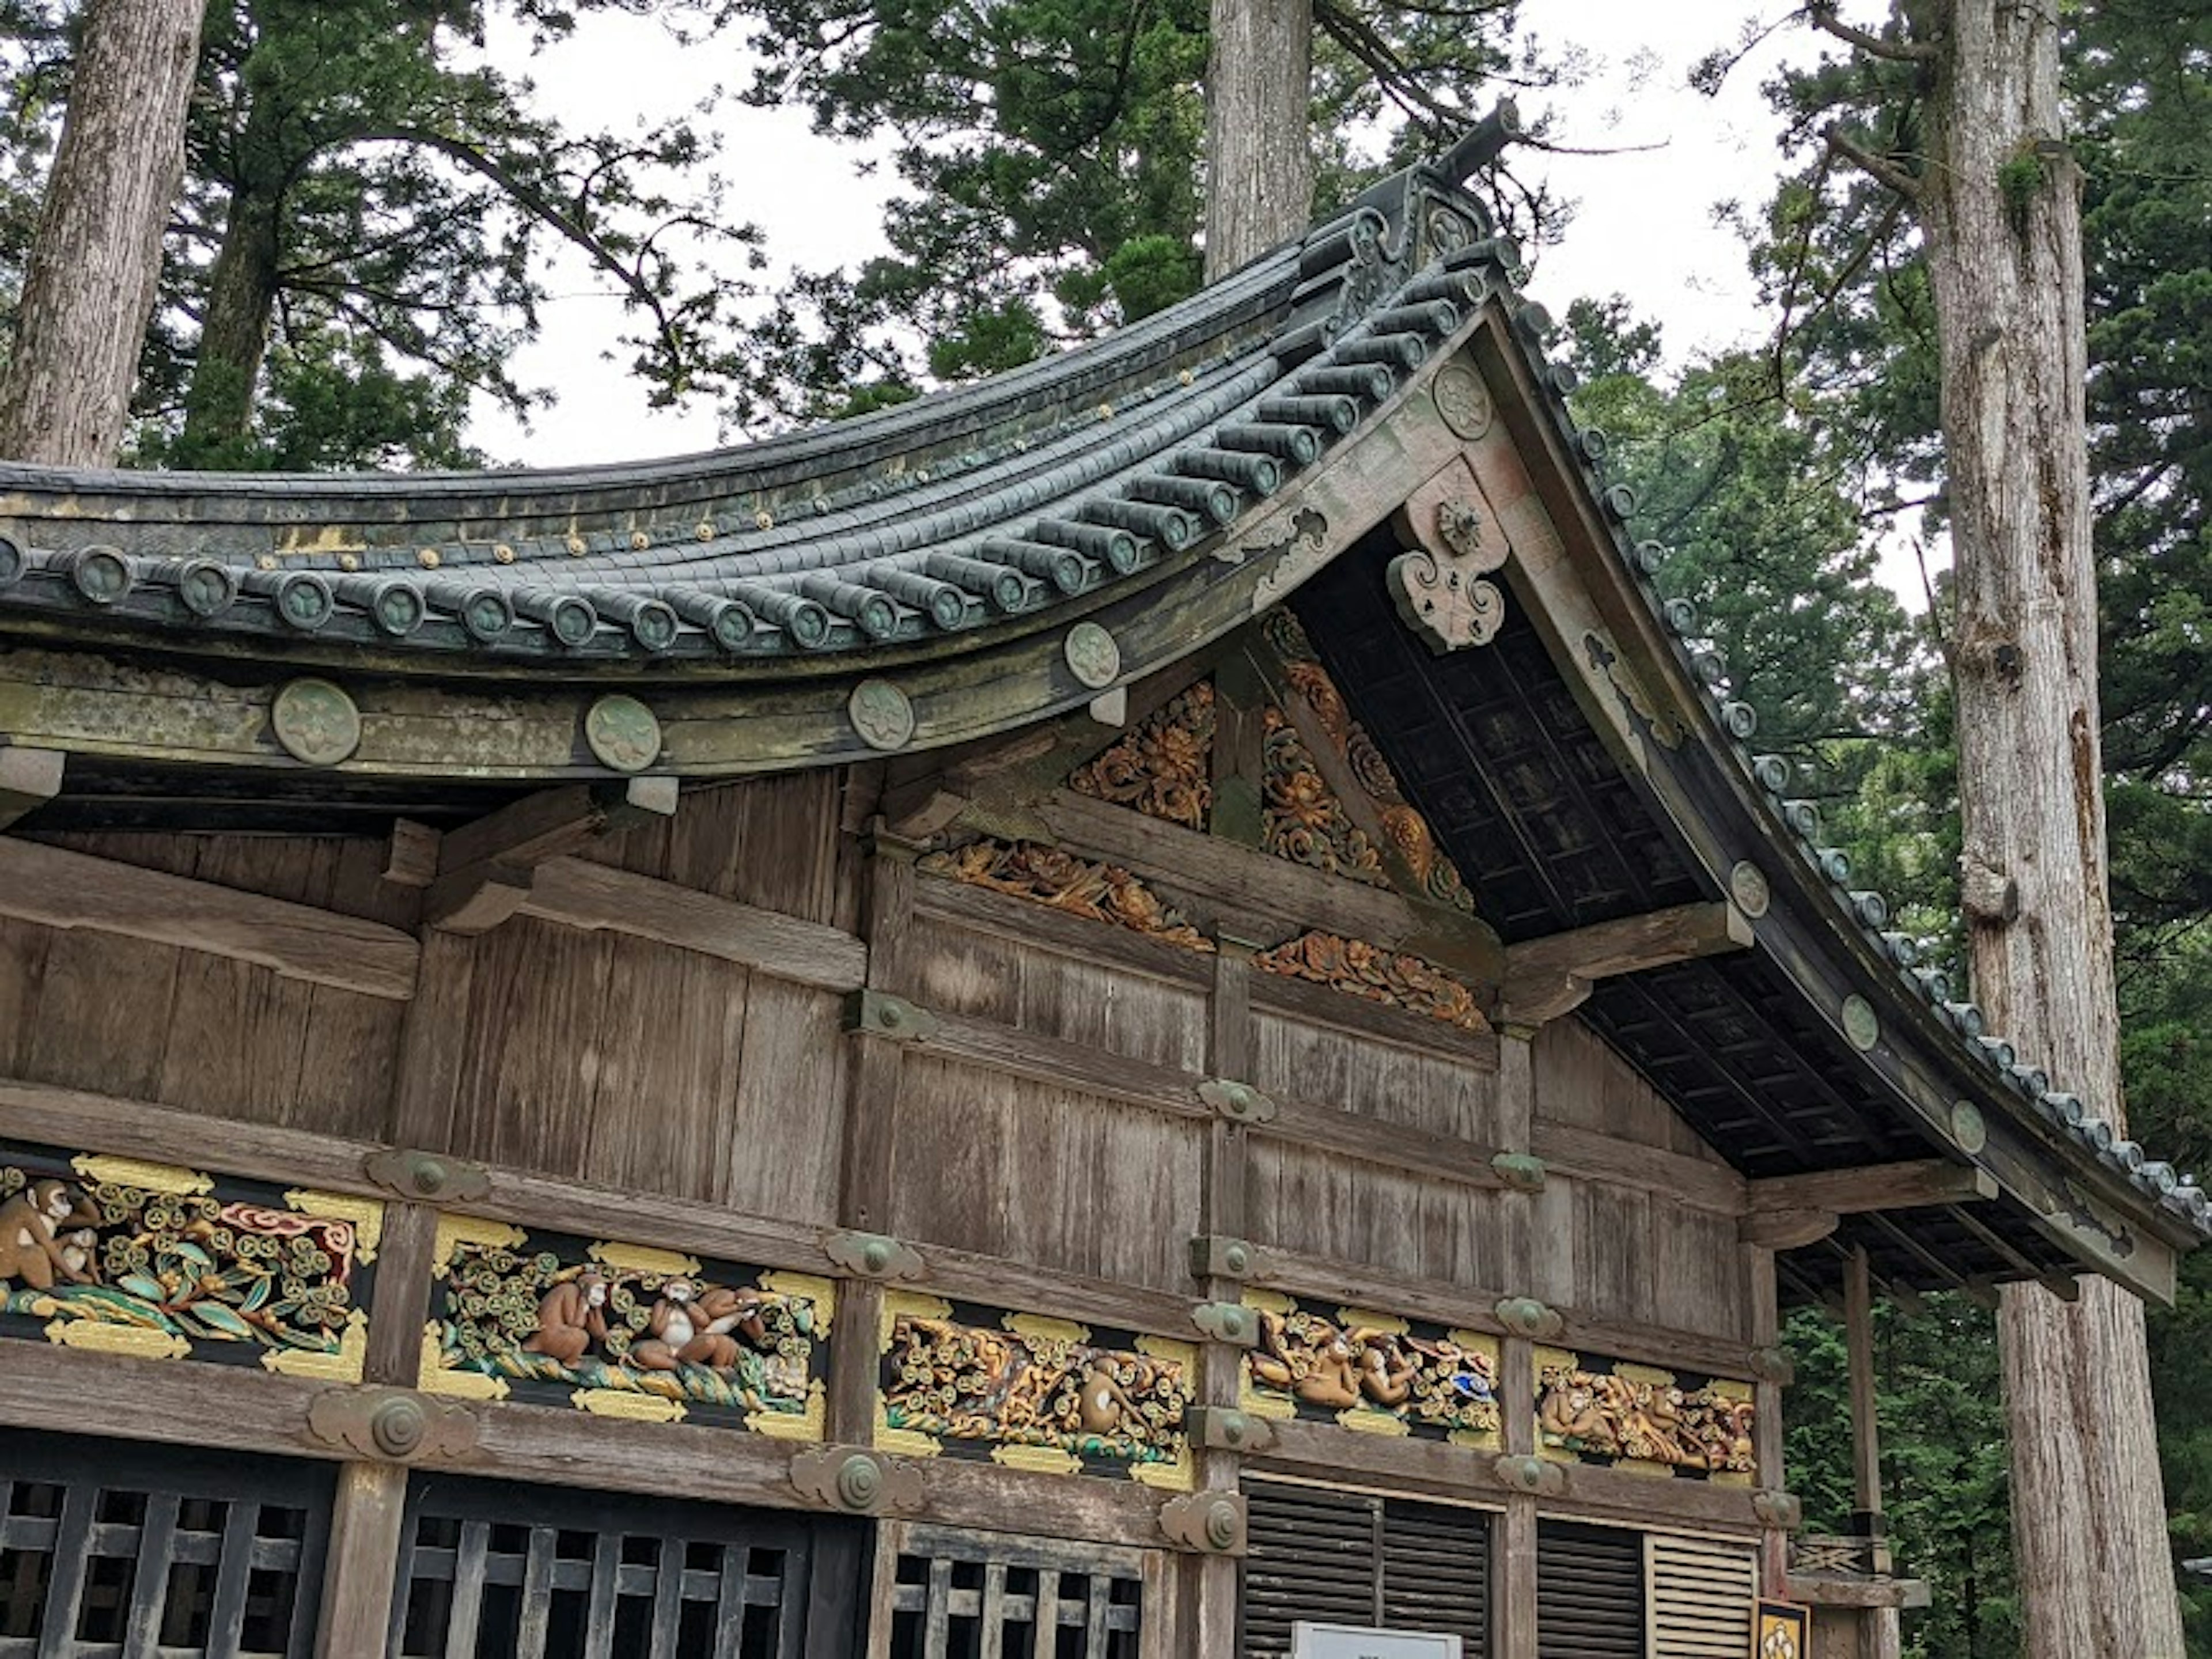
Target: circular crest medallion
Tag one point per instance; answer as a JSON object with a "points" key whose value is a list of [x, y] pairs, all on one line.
{"points": [[881, 715], [1968, 1127], [621, 733], [1463, 401], [1861, 1025], [1092, 656], [316, 722], [1747, 887], [1448, 232]]}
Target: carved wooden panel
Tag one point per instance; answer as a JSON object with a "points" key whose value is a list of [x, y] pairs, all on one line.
{"points": [[1034, 1392], [1397, 978], [1103, 892], [1601, 1411], [1371, 1371], [161, 1262], [624, 1331], [1163, 767]]}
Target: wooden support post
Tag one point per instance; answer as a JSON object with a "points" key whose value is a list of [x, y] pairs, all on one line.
{"points": [[866, 1172], [1761, 1296], [402, 1304], [364, 1556], [29, 778], [1866, 1435], [1513, 1546]]}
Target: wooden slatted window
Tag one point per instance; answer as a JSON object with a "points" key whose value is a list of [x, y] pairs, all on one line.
{"points": [[1699, 1594], [983, 1596], [1590, 1592], [1339, 1557], [112, 1548], [502, 1570]]}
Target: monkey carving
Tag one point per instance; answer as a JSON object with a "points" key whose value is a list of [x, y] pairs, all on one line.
{"points": [[682, 1334], [1100, 1399], [1385, 1373], [33, 1246], [570, 1318]]}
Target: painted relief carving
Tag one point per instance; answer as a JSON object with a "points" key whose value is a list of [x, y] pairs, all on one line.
{"points": [[1104, 892], [1163, 767], [624, 1331], [1609, 1412], [1371, 1371], [143, 1259], [1033, 1393], [1405, 829], [1301, 817], [1403, 981]]}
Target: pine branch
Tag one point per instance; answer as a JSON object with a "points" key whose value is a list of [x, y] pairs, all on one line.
{"points": [[1877, 168], [1822, 16]]}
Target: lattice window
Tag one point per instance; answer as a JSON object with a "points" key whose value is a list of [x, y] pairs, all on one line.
{"points": [[1338, 1557], [500, 1571], [981, 1596], [1590, 1592], [108, 1548]]}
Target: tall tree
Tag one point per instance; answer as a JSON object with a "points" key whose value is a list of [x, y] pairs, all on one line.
{"points": [[1996, 192], [95, 260], [1259, 158]]}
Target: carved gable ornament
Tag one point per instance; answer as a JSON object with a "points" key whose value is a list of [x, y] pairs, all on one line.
{"points": [[1440, 588]]}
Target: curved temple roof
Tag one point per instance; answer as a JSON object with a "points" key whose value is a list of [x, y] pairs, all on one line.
{"points": [[1160, 488]]}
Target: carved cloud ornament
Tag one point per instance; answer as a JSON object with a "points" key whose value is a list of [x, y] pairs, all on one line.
{"points": [[1439, 587]]}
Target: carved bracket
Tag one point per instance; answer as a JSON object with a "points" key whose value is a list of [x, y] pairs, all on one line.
{"points": [[1539, 1476], [422, 1175], [1227, 1321], [1523, 1316], [877, 1013], [1776, 1508], [1209, 1523], [1224, 1428], [391, 1424], [1240, 1103], [1223, 1258], [1773, 1365], [872, 1255], [1522, 1172], [856, 1481], [1438, 588]]}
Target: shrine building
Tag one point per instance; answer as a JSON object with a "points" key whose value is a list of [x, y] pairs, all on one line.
{"points": [[1151, 1009]]}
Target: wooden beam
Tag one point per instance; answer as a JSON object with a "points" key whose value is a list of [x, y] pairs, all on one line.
{"points": [[1548, 977], [599, 897], [1785, 1230], [29, 778], [1876, 1186], [57, 887], [486, 869]]}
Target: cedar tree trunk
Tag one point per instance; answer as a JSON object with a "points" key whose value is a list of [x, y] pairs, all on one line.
{"points": [[90, 285], [1259, 158], [234, 333], [2000, 202]]}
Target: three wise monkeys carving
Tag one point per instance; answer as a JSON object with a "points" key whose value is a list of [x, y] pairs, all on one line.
{"points": [[47, 1235], [686, 1326]]}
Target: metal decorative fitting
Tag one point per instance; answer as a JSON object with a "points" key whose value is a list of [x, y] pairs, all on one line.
{"points": [[1777, 1508], [1212, 1257], [1862, 1025], [1224, 1428], [1523, 1316], [856, 1481], [1210, 1523], [1522, 1172], [1747, 887], [426, 1175], [880, 1014], [1773, 1365], [395, 1424], [622, 734], [1227, 1321], [872, 1255], [317, 723], [1538, 1476], [1239, 1101], [881, 714]]}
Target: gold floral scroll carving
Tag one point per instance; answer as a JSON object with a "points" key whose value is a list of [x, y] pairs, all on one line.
{"points": [[1395, 977], [1104, 892], [1163, 768]]}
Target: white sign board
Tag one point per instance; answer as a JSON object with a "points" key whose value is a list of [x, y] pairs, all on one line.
{"points": [[1349, 1642]]}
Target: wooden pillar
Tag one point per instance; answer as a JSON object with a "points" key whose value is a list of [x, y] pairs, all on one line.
{"points": [[1513, 1547], [1208, 1616], [1762, 1297], [1880, 1636], [364, 1549]]}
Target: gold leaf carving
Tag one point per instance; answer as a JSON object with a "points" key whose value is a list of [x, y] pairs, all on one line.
{"points": [[1104, 892], [147, 1178], [138, 1341], [635, 1407], [1163, 767], [343, 1366], [1376, 1373], [1635, 1415], [1395, 977]]}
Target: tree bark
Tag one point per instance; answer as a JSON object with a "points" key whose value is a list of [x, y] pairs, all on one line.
{"points": [[1259, 157], [2000, 203], [95, 262], [234, 333]]}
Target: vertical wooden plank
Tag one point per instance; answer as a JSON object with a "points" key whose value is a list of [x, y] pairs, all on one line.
{"points": [[599, 1610], [1159, 1630], [1094, 1618], [1866, 1434], [936, 1621], [362, 1560], [890, 1539], [65, 1587], [227, 1611], [993, 1611], [1513, 1610], [401, 1305], [1761, 1298], [103, 1014], [468, 1588], [435, 1037], [149, 1584], [668, 1598], [537, 1599], [1044, 1625]]}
